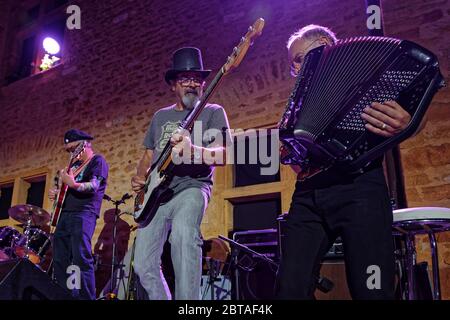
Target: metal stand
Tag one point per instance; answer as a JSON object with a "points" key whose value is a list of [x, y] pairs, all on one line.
{"points": [[212, 275], [27, 236], [111, 295], [130, 293], [408, 230], [235, 248]]}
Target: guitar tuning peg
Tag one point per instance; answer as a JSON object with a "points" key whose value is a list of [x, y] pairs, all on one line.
{"points": [[235, 49], [242, 39], [250, 29]]}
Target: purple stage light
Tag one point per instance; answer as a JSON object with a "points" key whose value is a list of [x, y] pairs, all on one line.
{"points": [[51, 45]]}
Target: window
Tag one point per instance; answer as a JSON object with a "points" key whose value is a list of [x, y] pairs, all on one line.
{"points": [[6, 192], [255, 214], [36, 191], [249, 173], [54, 4], [36, 20], [28, 16], [28, 53], [25, 188]]}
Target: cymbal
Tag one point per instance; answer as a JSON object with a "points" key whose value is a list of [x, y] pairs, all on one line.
{"points": [[23, 212]]}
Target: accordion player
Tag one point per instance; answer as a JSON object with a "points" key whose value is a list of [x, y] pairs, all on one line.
{"points": [[322, 126]]}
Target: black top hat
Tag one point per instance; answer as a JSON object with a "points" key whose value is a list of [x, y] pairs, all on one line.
{"points": [[186, 59], [75, 135]]}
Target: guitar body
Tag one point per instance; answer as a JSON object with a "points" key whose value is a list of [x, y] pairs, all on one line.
{"points": [[149, 199]]}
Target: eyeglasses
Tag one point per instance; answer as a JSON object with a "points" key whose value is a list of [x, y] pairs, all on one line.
{"points": [[298, 59], [185, 81]]}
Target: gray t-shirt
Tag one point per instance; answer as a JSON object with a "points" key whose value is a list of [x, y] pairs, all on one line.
{"points": [[166, 120]]}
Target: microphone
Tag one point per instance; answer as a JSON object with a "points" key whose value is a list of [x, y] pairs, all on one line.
{"points": [[106, 197], [126, 196]]}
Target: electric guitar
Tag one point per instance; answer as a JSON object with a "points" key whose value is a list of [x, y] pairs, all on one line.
{"points": [[62, 188], [158, 178]]}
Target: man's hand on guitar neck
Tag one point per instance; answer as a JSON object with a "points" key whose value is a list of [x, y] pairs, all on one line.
{"points": [[52, 193], [68, 178], [137, 183]]}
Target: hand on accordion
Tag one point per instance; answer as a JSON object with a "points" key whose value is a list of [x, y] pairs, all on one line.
{"points": [[284, 153], [387, 119]]}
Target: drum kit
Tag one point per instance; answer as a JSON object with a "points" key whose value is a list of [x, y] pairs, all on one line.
{"points": [[34, 242]]}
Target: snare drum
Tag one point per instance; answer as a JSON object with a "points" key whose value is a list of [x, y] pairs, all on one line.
{"points": [[9, 237], [38, 245]]}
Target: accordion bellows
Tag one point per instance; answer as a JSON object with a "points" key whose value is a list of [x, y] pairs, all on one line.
{"points": [[322, 125]]}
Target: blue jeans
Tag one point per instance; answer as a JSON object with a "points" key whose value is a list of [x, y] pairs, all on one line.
{"points": [[182, 215], [72, 246]]}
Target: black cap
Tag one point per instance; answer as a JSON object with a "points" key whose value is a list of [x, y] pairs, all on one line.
{"points": [[186, 59], [76, 135]]}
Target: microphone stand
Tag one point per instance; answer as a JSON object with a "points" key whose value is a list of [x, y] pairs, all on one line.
{"points": [[111, 295], [235, 248]]}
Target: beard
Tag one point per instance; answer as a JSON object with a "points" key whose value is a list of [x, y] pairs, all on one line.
{"points": [[190, 99]]}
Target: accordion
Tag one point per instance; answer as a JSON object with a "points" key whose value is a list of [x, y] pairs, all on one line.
{"points": [[322, 127]]}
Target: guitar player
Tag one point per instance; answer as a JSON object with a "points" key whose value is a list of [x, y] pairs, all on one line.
{"points": [[190, 187], [80, 210]]}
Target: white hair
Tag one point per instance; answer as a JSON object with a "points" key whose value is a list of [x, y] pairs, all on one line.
{"points": [[312, 32]]}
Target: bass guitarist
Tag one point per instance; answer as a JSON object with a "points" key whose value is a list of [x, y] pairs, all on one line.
{"points": [[190, 187], [86, 183]]}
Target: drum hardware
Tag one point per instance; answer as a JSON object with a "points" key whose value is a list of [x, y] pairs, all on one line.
{"points": [[34, 245], [34, 242], [215, 254]]}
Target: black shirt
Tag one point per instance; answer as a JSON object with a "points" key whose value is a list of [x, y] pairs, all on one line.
{"points": [[83, 201], [335, 176]]}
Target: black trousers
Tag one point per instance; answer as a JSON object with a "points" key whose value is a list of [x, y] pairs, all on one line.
{"points": [[357, 209], [72, 246]]}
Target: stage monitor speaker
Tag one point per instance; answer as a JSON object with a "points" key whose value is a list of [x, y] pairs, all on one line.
{"points": [[20, 279]]}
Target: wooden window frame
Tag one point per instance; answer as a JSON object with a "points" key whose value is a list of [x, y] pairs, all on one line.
{"points": [[36, 28], [20, 190]]}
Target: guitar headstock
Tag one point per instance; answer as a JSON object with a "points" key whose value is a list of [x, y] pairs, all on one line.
{"points": [[76, 154], [240, 50]]}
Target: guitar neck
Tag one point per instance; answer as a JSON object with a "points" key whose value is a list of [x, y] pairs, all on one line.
{"points": [[188, 122]]}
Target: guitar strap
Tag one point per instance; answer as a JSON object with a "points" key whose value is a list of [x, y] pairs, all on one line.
{"points": [[82, 166]]}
